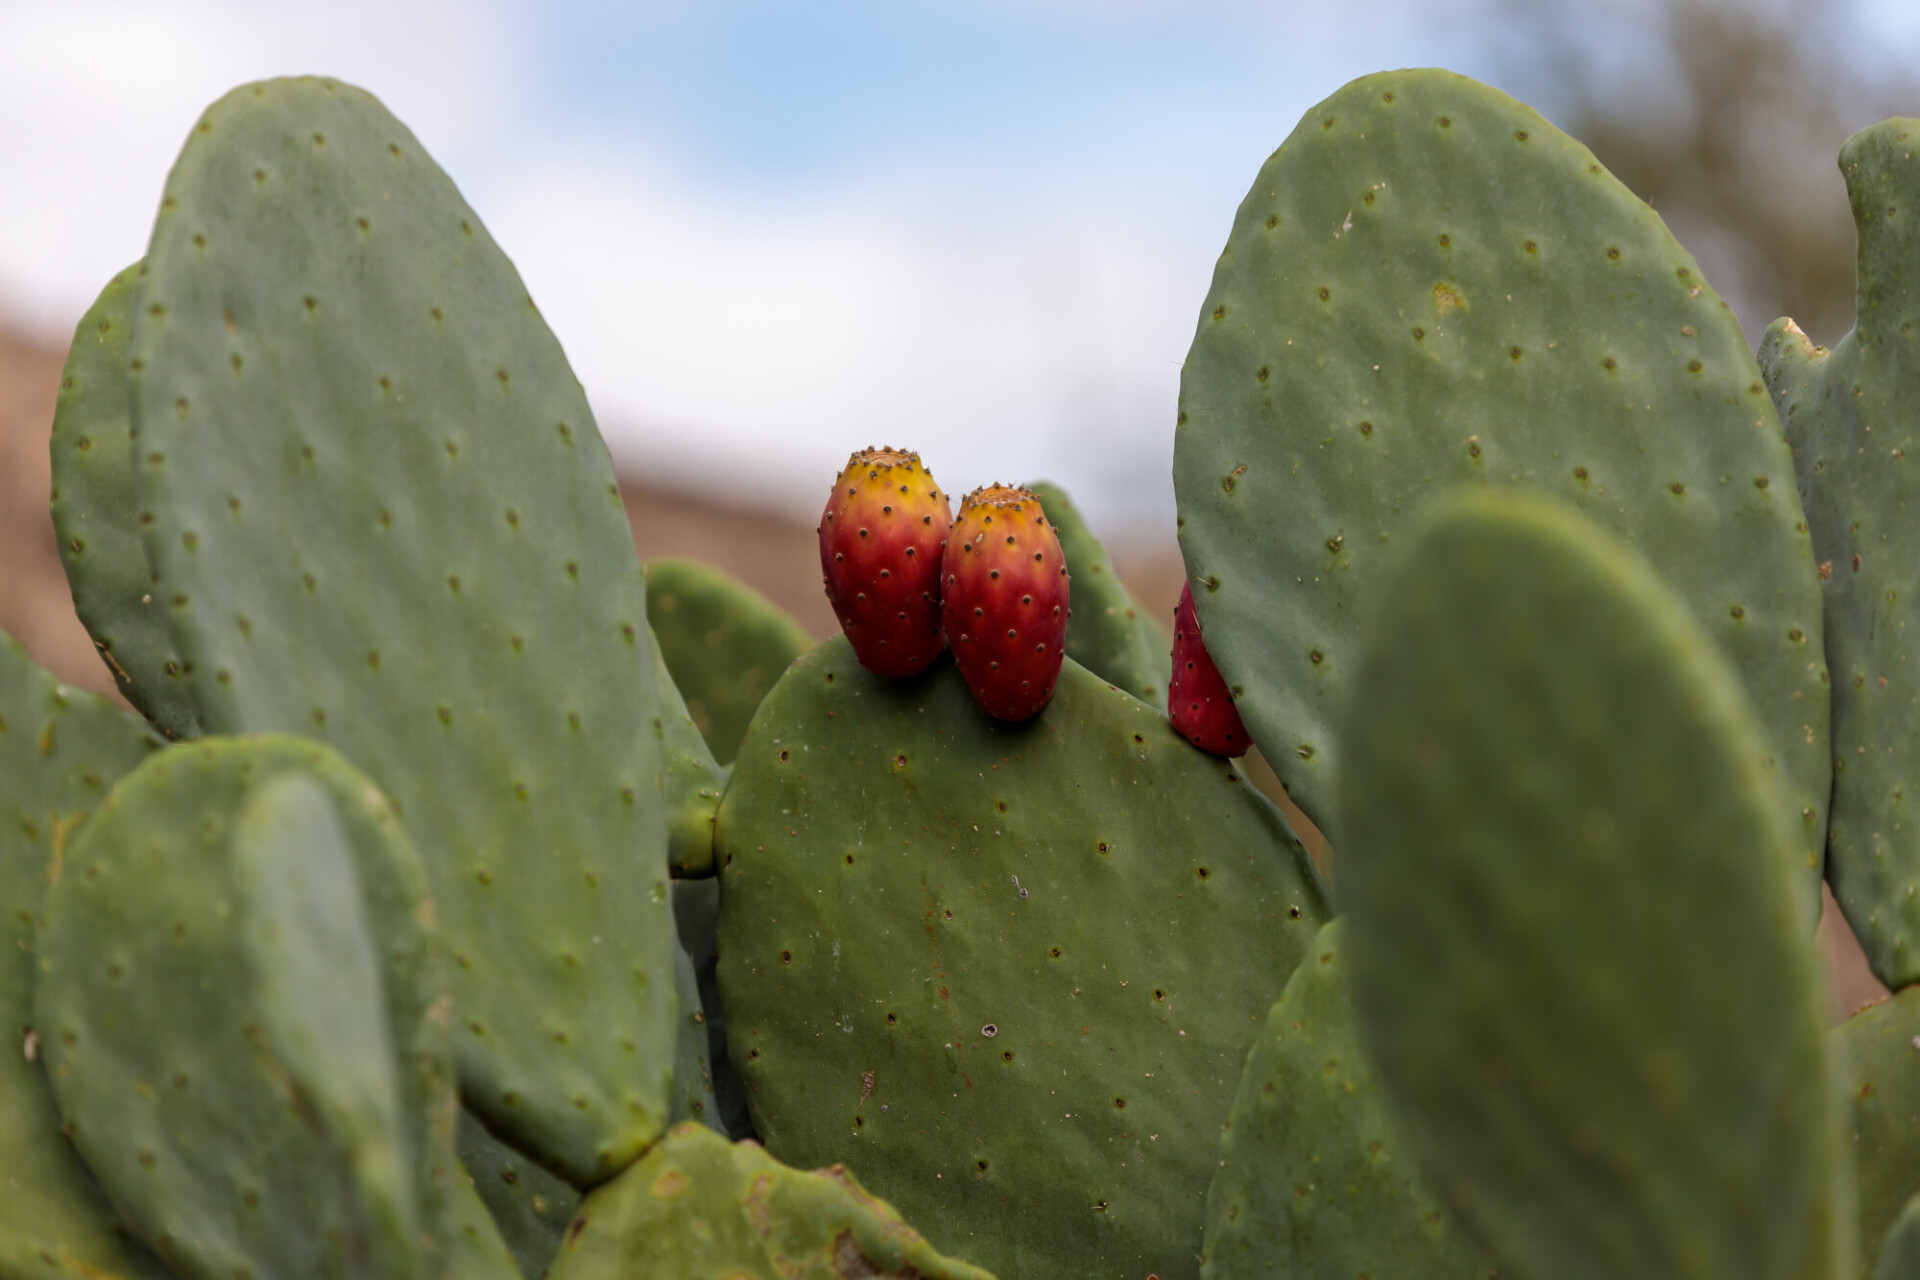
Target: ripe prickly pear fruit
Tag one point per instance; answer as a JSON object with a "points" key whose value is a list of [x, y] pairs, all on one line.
{"points": [[1005, 601], [881, 538], [1197, 699]]}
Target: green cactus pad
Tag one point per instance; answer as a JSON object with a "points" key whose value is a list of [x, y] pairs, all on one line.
{"points": [[529, 1206], [380, 515], [692, 1071], [698, 1205], [477, 1251], [204, 1016], [95, 518], [1427, 286], [1109, 635], [1579, 959], [1877, 1045], [1314, 1181], [694, 783], [1900, 1251], [1851, 417], [724, 642], [696, 913], [60, 749], [1008, 974]]}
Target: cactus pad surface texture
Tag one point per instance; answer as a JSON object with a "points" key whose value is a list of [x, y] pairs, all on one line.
{"points": [[1853, 418], [1428, 285], [1007, 974], [94, 514], [693, 782], [259, 1074], [698, 1205], [724, 642], [1579, 959], [1315, 1183], [379, 514], [1877, 1046], [529, 1206], [1110, 635], [60, 749], [1900, 1251]]}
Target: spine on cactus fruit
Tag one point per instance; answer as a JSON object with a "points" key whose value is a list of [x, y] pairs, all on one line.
{"points": [[1005, 601], [882, 535], [1198, 700]]}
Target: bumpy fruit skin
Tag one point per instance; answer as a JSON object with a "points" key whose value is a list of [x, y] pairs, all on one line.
{"points": [[1006, 598], [881, 539], [1198, 702]]}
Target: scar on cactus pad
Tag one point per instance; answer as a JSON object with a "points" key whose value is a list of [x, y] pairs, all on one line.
{"points": [[1005, 601], [881, 539], [1198, 700]]}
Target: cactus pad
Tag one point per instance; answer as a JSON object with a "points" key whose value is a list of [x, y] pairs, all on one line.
{"points": [[1883, 1064], [380, 515], [60, 749], [1008, 974], [529, 1206], [94, 514], [1109, 634], [1900, 1251], [1427, 286], [1314, 1182], [724, 642], [1579, 958], [260, 1077], [697, 1205], [692, 780], [1853, 418]]}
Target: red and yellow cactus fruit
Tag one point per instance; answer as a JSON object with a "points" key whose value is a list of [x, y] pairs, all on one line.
{"points": [[1005, 601], [1198, 701], [881, 539]]}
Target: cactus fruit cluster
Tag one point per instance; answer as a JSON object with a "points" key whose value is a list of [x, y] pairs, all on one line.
{"points": [[461, 899]]}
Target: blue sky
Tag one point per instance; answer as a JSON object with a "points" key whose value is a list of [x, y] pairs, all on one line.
{"points": [[769, 233]]}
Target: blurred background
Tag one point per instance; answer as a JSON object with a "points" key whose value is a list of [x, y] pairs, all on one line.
{"points": [[770, 233]]}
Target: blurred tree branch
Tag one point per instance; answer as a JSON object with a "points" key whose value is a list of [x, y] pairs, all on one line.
{"points": [[1726, 116]]}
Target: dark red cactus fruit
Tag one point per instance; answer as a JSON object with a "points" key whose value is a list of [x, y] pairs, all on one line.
{"points": [[1197, 699], [881, 538], [1005, 601]]}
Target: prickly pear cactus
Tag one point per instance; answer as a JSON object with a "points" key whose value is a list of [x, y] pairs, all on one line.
{"points": [[1428, 285], [529, 1206], [696, 913], [60, 749], [1850, 416], [1900, 1251], [1877, 1046], [699, 1205], [1110, 635], [1579, 960], [1008, 974], [94, 514], [724, 643], [693, 782], [236, 945], [1314, 1181], [379, 514]]}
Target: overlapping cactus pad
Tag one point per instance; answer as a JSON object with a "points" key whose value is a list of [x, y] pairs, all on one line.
{"points": [[1578, 956], [698, 1205], [379, 514], [244, 1021], [1876, 1046], [94, 514], [60, 749], [1008, 975], [1110, 635], [1853, 417], [1428, 285], [1315, 1182]]}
